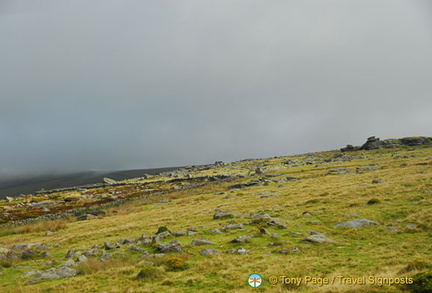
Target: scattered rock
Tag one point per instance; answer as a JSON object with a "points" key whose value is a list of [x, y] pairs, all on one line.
{"points": [[208, 251], [71, 253], [232, 227], [268, 196], [12, 256], [241, 239], [144, 240], [46, 254], [105, 257], [173, 246], [179, 233], [42, 247], [316, 237], [28, 254], [109, 245], [43, 203], [82, 259], [20, 247], [356, 223], [91, 252], [219, 214], [264, 231], [200, 241], [51, 274], [244, 184], [137, 249], [366, 168], [68, 263], [265, 218], [160, 236], [216, 231], [239, 250]]}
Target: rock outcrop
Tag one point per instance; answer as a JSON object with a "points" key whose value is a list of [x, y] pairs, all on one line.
{"points": [[375, 143]]}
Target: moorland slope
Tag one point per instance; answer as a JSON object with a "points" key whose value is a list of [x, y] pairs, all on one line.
{"points": [[357, 221]]}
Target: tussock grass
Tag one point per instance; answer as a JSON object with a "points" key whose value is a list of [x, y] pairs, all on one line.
{"points": [[36, 227]]}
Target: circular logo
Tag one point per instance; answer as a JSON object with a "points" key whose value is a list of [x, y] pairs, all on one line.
{"points": [[254, 280]]}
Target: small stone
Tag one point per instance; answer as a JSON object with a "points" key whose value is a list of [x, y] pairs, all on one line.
{"points": [[316, 237], [173, 246], [264, 231], [356, 223], [200, 241], [242, 239], [46, 254], [378, 180], [82, 259], [70, 254], [239, 250], [134, 248], [109, 245], [105, 257], [232, 227], [207, 251], [28, 254], [216, 231], [268, 196], [68, 263], [12, 256], [223, 215]]}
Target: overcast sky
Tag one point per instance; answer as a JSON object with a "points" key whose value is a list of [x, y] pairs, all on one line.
{"points": [[109, 85]]}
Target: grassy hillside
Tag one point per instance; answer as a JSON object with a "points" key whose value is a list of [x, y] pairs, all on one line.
{"points": [[277, 202]]}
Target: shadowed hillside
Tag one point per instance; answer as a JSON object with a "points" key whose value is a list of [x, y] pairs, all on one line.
{"points": [[28, 185]]}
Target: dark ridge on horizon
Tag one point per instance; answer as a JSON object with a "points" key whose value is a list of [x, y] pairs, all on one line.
{"points": [[29, 185]]}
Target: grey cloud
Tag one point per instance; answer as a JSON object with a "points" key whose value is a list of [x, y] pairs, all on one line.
{"points": [[114, 85]]}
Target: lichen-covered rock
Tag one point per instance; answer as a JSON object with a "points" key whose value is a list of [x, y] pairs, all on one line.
{"points": [[219, 214], [208, 251], [173, 246], [356, 223], [316, 237], [200, 241], [242, 239]]}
